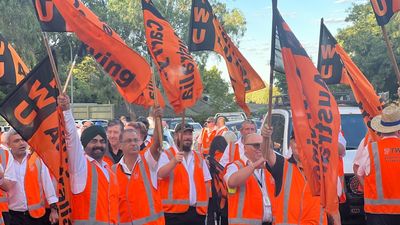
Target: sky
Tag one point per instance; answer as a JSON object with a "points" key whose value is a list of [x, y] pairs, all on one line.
{"points": [[302, 16]]}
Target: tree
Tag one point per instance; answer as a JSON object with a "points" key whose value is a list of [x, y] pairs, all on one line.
{"points": [[19, 25], [218, 92], [364, 42]]}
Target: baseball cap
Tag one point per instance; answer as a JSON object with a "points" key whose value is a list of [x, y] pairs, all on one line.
{"points": [[185, 127]]}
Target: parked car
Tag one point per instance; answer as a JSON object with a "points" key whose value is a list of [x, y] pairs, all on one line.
{"points": [[168, 140], [171, 122], [354, 130], [232, 116]]}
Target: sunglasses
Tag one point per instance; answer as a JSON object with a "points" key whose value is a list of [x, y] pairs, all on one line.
{"points": [[255, 145]]}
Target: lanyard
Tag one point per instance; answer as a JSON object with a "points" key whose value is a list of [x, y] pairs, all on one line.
{"points": [[261, 178]]}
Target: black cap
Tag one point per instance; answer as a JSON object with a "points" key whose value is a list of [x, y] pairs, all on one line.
{"points": [[179, 127]]}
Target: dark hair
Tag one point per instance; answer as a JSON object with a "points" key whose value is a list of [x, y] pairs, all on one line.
{"points": [[218, 144], [144, 121], [115, 123]]}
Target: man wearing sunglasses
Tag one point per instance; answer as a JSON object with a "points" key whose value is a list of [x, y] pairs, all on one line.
{"points": [[249, 185], [292, 198]]}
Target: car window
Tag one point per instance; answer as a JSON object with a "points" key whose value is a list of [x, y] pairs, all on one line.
{"points": [[353, 128], [278, 123]]}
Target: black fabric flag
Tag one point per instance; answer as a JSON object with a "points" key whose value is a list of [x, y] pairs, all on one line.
{"points": [[49, 17], [384, 10], [12, 68]]}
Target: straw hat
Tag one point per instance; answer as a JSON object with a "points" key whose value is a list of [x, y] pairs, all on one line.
{"points": [[388, 121]]}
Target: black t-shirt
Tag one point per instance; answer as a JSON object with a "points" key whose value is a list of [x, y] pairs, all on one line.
{"points": [[277, 171], [116, 157]]}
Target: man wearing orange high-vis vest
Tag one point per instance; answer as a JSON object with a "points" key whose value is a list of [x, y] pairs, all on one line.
{"points": [[235, 150], [139, 199], [7, 179], [206, 136], [292, 201], [184, 181], [250, 186], [381, 170], [33, 188], [93, 184]]}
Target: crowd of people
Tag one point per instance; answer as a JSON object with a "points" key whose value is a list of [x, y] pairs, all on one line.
{"points": [[121, 175]]}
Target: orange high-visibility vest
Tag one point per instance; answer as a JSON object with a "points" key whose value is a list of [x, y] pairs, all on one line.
{"points": [[98, 203], [4, 156], [221, 131], [206, 138], [33, 187], [295, 203], [342, 197], [175, 188], [139, 201], [234, 153], [381, 186], [246, 204]]}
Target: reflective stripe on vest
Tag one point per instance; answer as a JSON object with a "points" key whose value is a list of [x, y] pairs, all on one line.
{"points": [[92, 201], [239, 214], [378, 179], [170, 200], [1, 220], [4, 160], [149, 194], [32, 207], [286, 196], [232, 147], [321, 215]]}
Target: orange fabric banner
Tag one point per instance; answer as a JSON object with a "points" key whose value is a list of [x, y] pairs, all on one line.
{"points": [[12, 68], [147, 98], [338, 67], [130, 72], [179, 73], [316, 119], [31, 109], [206, 33]]}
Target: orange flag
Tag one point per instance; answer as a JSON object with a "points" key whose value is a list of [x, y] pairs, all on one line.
{"points": [[12, 68], [337, 67], [316, 119], [206, 33], [179, 73], [31, 109], [147, 98], [130, 72]]}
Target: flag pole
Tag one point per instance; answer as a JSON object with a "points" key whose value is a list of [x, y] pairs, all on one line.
{"points": [[52, 61], [70, 74], [157, 120], [391, 53], [271, 73], [181, 132]]}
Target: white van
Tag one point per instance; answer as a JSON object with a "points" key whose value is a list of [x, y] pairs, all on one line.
{"points": [[354, 129]]}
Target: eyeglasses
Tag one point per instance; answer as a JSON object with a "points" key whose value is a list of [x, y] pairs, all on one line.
{"points": [[255, 145], [129, 140]]}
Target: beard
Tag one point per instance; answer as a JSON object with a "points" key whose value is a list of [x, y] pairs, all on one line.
{"points": [[95, 154], [186, 146]]}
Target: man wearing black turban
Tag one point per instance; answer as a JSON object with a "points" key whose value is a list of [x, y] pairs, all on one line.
{"points": [[94, 185], [94, 142]]}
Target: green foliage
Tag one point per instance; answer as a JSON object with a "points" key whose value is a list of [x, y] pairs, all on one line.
{"points": [[218, 91], [19, 25], [364, 42]]}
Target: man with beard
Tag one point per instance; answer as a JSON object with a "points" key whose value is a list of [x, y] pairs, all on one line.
{"points": [[184, 180], [94, 186]]}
